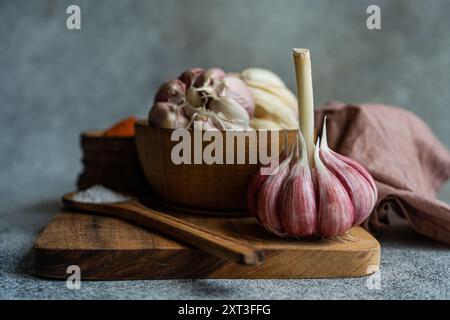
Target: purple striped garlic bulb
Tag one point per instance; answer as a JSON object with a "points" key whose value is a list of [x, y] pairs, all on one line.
{"points": [[326, 200]]}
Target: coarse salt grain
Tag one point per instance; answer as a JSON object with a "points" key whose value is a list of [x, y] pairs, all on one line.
{"points": [[99, 194]]}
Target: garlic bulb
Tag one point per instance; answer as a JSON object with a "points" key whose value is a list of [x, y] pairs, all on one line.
{"points": [[172, 91], [274, 100], [261, 76], [193, 97], [282, 93], [326, 200], [231, 109], [167, 115], [206, 78], [204, 124], [189, 77], [264, 123], [214, 74], [270, 106], [227, 100], [236, 89]]}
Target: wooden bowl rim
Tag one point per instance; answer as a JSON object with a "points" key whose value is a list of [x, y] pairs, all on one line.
{"points": [[144, 124]]}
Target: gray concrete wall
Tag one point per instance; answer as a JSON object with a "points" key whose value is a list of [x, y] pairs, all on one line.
{"points": [[55, 83]]}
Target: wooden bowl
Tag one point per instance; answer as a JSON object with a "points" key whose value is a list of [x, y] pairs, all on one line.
{"points": [[110, 161], [216, 187]]}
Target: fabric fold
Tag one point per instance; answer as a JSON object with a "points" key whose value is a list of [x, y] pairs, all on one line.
{"points": [[407, 161]]}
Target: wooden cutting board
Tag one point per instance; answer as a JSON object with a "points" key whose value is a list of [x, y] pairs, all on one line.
{"points": [[109, 248]]}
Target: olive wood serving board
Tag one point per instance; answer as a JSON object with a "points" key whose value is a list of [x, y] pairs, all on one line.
{"points": [[109, 248]]}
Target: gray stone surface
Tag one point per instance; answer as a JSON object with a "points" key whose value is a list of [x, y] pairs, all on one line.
{"points": [[412, 268], [55, 83]]}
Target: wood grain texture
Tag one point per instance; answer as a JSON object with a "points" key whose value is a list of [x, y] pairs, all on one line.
{"points": [[200, 186], [110, 161], [169, 225], [109, 248]]}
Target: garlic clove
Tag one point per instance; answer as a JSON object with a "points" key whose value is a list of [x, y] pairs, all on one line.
{"points": [[298, 210], [258, 178], [256, 182], [264, 123], [190, 111], [335, 209], [268, 203], [232, 110], [236, 89], [356, 180], [282, 93], [210, 78], [269, 106], [167, 115], [220, 121], [189, 77], [205, 125], [262, 76], [193, 97], [268, 81], [363, 171], [214, 74], [172, 91]]}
